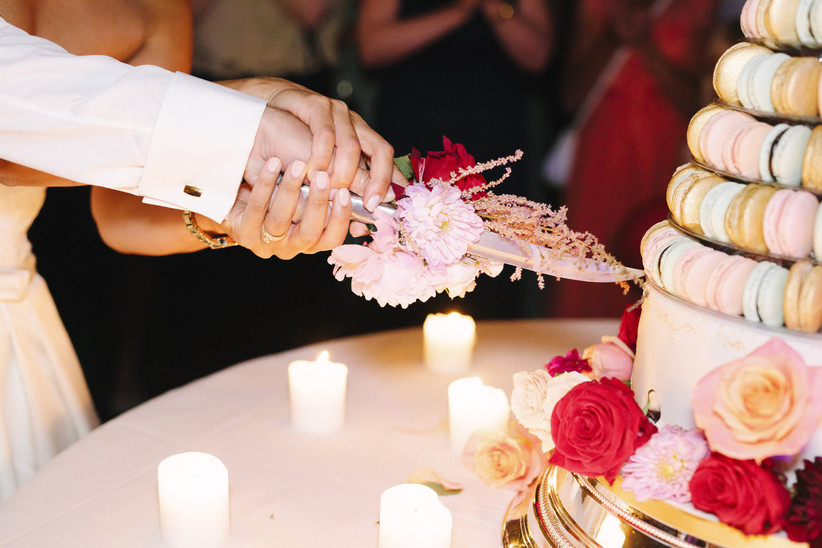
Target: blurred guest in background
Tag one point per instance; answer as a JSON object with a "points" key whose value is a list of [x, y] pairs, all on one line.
{"points": [[470, 70], [457, 68], [295, 39], [632, 74]]}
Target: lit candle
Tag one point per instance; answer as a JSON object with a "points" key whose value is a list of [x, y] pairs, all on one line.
{"points": [[317, 392], [474, 406], [411, 516], [448, 342], [193, 496]]}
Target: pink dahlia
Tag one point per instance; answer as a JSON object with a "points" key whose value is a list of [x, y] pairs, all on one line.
{"points": [[662, 468], [437, 223]]}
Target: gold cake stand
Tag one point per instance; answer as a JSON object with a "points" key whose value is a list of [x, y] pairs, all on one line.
{"points": [[566, 510]]}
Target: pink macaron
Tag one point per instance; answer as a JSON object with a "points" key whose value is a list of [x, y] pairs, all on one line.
{"points": [[718, 131], [743, 151], [692, 272], [727, 284], [788, 223], [747, 19], [654, 242]]}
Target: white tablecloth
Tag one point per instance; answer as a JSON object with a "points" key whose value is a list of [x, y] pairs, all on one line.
{"points": [[288, 489]]}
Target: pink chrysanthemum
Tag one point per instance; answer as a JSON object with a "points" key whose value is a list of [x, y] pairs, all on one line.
{"points": [[437, 223], [662, 468]]}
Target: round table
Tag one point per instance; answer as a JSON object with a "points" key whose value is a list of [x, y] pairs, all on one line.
{"points": [[287, 488]]}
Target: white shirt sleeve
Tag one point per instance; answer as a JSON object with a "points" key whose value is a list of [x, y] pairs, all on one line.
{"points": [[172, 138]]}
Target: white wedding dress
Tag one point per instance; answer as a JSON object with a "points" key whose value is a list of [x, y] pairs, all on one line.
{"points": [[45, 404]]}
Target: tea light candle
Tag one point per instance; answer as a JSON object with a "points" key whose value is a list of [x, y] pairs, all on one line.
{"points": [[448, 342], [474, 406], [193, 496], [411, 516], [317, 390]]}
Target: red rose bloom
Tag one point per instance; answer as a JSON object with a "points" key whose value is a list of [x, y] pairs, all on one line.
{"points": [[629, 324], [741, 494], [596, 426], [440, 165]]}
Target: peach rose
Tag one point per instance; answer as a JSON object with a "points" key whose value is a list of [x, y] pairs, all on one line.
{"points": [[610, 358], [761, 405], [500, 460]]}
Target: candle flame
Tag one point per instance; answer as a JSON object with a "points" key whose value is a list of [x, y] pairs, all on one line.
{"points": [[323, 357]]}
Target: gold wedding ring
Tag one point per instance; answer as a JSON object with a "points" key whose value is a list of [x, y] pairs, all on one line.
{"points": [[269, 237]]}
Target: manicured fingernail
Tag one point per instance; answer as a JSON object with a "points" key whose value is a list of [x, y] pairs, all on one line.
{"points": [[274, 165], [372, 202], [321, 180], [343, 197], [298, 169]]}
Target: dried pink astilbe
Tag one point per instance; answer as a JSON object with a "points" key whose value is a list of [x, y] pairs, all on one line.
{"points": [[517, 217]]}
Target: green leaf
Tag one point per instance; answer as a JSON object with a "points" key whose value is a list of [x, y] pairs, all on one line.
{"points": [[404, 165], [429, 478]]}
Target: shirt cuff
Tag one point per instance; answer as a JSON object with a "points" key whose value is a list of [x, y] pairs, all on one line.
{"points": [[200, 148]]}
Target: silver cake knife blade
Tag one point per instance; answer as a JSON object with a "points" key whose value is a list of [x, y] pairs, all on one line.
{"points": [[520, 253]]}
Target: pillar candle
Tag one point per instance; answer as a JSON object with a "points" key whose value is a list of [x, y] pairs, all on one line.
{"points": [[317, 390], [193, 497], [474, 406], [448, 342], [412, 516]]}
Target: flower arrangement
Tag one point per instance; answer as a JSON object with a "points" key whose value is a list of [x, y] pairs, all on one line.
{"points": [[753, 416], [421, 250]]}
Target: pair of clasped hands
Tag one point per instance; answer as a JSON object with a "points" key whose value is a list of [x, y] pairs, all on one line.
{"points": [[343, 155]]}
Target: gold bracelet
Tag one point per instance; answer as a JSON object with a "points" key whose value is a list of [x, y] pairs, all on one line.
{"points": [[213, 241]]}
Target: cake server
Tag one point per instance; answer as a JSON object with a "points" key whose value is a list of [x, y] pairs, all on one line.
{"points": [[520, 253]]}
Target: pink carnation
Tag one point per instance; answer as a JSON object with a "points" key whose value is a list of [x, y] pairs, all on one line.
{"points": [[662, 468], [437, 223], [382, 271], [765, 404], [569, 362]]}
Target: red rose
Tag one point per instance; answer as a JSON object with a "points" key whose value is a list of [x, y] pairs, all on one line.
{"points": [[629, 324], [741, 494], [441, 166], [596, 426]]}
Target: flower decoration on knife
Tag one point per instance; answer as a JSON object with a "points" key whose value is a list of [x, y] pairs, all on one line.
{"points": [[448, 226]]}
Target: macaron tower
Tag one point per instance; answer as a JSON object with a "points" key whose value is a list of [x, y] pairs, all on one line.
{"points": [[752, 191], [737, 266]]}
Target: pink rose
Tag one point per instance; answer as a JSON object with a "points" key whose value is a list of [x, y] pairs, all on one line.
{"points": [[500, 460], [610, 358], [443, 165], [765, 404]]}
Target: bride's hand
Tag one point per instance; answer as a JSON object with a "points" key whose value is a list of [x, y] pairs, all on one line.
{"points": [[275, 220]]}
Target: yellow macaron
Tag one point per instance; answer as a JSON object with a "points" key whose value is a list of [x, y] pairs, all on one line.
{"points": [[743, 220]]}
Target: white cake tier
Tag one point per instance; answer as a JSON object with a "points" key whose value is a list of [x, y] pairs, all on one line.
{"points": [[678, 343]]}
